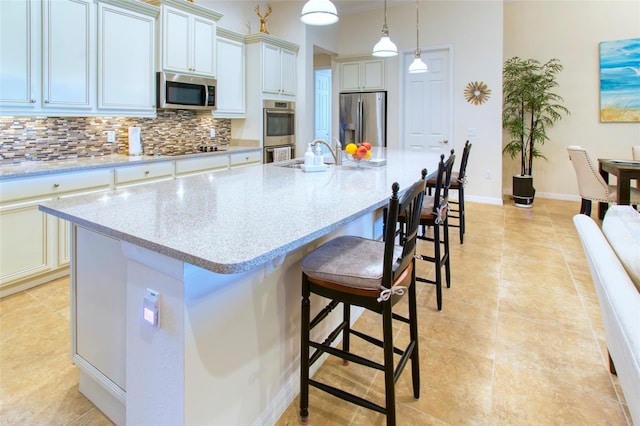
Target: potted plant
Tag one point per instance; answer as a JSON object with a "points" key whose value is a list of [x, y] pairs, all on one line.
{"points": [[529, 108]]}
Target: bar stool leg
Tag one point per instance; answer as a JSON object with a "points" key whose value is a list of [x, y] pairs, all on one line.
{"points": [[413, 333], [346, 331], [447, 264], [438, 265], [389, 380], [461, 213], [305, 316]]}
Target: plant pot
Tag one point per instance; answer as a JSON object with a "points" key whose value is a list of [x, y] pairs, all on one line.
{"points": [[523, 191]]}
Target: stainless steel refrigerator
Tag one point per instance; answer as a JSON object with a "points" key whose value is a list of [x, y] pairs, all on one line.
{"points": [[363, 118]]}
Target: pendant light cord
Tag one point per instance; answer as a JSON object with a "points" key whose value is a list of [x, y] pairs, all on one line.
{"points": [[385, 29], [417, 29]]}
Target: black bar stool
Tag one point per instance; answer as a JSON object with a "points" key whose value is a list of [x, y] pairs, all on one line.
{"points": [[435, 215], [458, 182], [374, 275]]}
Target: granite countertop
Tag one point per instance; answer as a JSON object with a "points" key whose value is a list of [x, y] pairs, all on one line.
{"points": [[37, 168], [243, 217]]}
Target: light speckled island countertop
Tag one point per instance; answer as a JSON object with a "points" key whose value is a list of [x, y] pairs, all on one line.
{"points": [[236, 220], [17, 170]]}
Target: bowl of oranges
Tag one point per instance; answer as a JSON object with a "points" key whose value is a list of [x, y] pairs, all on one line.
{"points": [[358, 151]]}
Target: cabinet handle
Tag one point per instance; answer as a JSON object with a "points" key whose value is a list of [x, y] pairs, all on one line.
{"points": [[146, 172], [33, 101], [56, 185], [46, 101]]}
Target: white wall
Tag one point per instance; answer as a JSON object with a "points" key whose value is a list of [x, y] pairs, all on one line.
{"points": [[482, 34], [473, 29], [571, 31]]}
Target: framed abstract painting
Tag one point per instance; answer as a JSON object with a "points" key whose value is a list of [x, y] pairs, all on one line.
{"points": [[620, 80]]}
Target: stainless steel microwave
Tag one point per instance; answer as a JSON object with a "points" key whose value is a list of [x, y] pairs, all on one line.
{"points": [[181, 91]]}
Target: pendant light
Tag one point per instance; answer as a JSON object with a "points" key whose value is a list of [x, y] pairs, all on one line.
{"points": [[417, 66], [319, 12], [385, 47]]}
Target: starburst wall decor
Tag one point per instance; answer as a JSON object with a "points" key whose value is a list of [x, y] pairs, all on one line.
{"points": [[477, 92]]}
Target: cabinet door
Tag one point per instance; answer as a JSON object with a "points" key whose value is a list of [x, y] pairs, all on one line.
{"points": [[68, 54], [204, 46], [271, 69], [231, 78], [126, 60], [288, 69], [64, 231], [19, 59], [350, 76], [372, 75], [239, 159], [175, 40], [25, 240]]}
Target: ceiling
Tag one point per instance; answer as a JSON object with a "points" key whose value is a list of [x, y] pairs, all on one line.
{"points": [[347, 7]]}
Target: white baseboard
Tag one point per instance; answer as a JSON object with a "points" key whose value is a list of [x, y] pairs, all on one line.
{"points": [[483, 200]]}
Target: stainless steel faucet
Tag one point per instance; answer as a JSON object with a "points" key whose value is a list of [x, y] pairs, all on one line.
{"points": [[337, 155]]}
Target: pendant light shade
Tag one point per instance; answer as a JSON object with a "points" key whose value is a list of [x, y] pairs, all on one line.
{"points": [[385, 47], [319, 12], [417, 66]]}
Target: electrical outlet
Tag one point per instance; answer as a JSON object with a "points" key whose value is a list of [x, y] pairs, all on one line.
{"points": [[111, 136], [213, 133], [487, 174]]}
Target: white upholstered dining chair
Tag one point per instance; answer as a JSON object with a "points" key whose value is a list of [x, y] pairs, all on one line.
{"points": [[591, 185]]}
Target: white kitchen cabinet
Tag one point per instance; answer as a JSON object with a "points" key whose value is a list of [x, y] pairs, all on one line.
{"points": [[68, 54], [20, 38], [47, 60], [230, 53], [362, 75], [188, 38], [144, 173], [34, 245], [199, 165], [273, 62], [126, 58], [246, 158]]}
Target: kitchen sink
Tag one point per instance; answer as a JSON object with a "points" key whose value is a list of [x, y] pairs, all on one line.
{"points": [[291, 164]]}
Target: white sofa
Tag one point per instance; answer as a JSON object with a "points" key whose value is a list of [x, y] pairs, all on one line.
{"points": [[618, 297]]}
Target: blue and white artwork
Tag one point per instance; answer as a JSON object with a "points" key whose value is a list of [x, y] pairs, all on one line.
{"points": [[620, 80]]}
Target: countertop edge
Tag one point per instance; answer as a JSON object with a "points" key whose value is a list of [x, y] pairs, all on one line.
{"points": [[223, 268], [108, 161]]}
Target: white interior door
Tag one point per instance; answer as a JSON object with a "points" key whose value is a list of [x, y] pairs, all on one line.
{"points": [[427, 100], [322, 115]]}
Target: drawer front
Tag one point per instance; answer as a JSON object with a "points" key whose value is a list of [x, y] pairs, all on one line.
{"points": [[124, 175], [195, 165], [55, 183], [245, 158]]}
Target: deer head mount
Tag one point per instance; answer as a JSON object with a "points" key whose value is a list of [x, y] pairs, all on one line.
{"points": [[263, 19]]}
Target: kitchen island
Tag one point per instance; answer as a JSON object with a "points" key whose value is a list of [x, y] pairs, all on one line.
{"points": [[222, 252]]}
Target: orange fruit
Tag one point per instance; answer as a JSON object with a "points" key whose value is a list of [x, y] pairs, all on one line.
{"points": [[367, 145]]}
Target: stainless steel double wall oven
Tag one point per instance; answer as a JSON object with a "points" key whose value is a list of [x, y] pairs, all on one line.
{"points": [[279, 126]]}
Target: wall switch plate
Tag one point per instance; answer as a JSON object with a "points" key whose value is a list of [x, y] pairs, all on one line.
{"points": [[150, 310], [111, 136], [213, 133], [487, 174]]}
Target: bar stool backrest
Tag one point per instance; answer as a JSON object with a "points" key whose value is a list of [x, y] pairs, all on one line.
{"points": [[410, 206]]}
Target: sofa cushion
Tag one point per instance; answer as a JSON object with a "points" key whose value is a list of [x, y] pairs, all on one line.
{"points": [[621, 226]]}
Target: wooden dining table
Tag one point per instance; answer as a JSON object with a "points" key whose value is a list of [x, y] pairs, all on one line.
{"points": [[625, 171]]}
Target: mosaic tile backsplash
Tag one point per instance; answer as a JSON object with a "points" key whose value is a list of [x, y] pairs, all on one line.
{"points": [[173, 132]]}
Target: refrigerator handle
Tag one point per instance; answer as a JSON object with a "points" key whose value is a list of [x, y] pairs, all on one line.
{"points": [[359, 122]]}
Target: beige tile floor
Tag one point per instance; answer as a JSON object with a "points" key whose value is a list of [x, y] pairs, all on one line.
{"points": [[519, 340]]}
